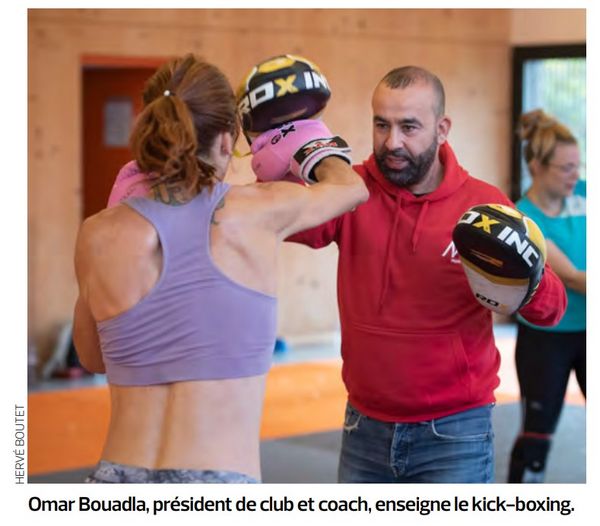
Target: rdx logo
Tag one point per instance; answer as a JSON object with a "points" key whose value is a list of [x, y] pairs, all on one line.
{"points": [[276, 88], [507, 235], [284, 130]]}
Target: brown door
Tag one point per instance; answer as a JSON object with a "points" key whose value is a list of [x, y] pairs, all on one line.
{"points": [[112, 97]]}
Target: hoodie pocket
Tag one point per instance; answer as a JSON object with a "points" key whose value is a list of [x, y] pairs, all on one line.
{"points": [[405, 374]]}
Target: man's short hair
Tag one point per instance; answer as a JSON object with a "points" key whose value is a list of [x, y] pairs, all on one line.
{"points": [[407, 75]]}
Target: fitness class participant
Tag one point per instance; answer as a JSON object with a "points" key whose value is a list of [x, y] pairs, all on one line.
{"points": [[545, 357]]}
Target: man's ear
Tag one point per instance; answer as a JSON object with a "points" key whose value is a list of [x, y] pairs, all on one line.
{"points": [[443, 129]]}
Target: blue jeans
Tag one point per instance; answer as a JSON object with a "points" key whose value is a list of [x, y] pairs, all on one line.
{"points": [[453, 449]]}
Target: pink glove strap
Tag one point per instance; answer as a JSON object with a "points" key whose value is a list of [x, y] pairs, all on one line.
{"points": [[303, 163]]}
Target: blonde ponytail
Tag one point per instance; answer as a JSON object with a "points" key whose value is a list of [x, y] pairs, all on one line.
{"points": [[540, 132]]}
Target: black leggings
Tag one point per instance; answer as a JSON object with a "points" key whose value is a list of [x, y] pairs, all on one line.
{"points": [[544, 362]]}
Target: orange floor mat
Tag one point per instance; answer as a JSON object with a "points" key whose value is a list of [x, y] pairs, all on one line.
{"points": [[66, 428], [303, 398]]}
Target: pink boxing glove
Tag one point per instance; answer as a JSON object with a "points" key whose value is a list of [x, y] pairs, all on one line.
{"points": [[294, 149], [130, 182]]}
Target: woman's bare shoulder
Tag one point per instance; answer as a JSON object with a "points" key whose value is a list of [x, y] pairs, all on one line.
{"points": [[115, 230]]}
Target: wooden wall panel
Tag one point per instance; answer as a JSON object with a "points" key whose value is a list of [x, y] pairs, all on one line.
{"points": [[468, 49], [534, 27]]}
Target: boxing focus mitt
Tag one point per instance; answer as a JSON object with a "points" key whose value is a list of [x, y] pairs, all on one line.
{"points": [[279, 90], [503, 253], [295, 147]]}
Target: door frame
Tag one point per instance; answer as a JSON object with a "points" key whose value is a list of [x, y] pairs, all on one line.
{"points": [[120, 61], [92, 61]]}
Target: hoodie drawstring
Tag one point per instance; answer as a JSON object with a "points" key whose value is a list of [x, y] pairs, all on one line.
{"points": [[418, 225], [391, 244], [388, 253]]}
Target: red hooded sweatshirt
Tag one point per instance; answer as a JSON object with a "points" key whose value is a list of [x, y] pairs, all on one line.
{"points": [[416, 345]]}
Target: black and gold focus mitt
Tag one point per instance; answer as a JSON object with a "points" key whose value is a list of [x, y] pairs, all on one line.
{"points": [[503, 253], [278, 90]]}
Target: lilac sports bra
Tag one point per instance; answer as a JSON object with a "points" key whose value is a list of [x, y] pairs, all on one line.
{"points": [[195, 323]]}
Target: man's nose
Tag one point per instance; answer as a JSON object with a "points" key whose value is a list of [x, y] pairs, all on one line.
{"points": [[395, 139]]}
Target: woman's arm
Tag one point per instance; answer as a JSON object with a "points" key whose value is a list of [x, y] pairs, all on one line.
{"points": [[565, 270], [306, 149], [290, 208], [85, 334], [85, 338]]}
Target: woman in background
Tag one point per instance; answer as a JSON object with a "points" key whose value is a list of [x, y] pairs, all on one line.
{"points": [[545, 357]]}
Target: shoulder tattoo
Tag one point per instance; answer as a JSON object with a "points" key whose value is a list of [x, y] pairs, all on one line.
{"points": [[169, 194]]}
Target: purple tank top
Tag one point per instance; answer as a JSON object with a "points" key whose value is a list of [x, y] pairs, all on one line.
{"points": [[195, 323]]}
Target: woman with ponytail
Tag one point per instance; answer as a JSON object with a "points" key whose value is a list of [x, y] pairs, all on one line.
{"points": [[177, 292], [545, 357]]}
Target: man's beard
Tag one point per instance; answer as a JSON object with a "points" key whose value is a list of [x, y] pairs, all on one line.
{"points": [[416, 169]]}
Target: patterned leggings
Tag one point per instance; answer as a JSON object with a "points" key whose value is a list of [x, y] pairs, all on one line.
{"points": [[109, 472]]}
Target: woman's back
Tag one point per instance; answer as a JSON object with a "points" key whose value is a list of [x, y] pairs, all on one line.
{"points": [[196, 323], [201, 390]]}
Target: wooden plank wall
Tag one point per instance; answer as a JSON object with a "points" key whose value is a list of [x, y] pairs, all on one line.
{"points": [[468, 49]]}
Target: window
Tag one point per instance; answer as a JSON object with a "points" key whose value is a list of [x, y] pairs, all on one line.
{"points": [[118, 121], [551, 78]]}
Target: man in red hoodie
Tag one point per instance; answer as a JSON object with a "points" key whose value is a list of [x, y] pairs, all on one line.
{"points": [[419, 359]]}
